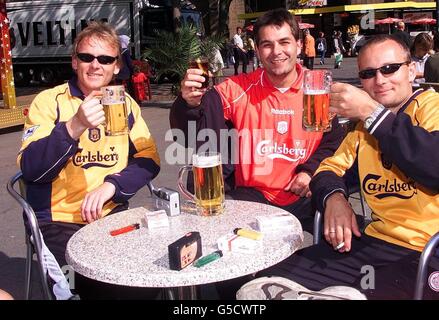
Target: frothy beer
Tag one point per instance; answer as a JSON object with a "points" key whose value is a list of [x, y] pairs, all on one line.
{"points": [[316, 88], [208, 185], [116, 118], [316, 115]]}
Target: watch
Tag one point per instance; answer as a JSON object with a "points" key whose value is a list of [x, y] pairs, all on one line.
{"points": [[373, 116]]}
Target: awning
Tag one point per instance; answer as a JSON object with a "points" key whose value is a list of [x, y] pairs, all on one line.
{"points": [[353, 7]]}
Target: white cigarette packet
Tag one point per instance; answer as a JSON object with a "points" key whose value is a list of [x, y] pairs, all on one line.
{"points": [[276, 222], [156, 219], [234, 243]]}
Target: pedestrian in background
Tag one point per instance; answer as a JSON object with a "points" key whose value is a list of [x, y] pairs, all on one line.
{"points": [[321, 47], [339, 49], [431, 70], [420, 52], [239, 52], [402, 34], [310, 51], [126, 70], [139, 81]]}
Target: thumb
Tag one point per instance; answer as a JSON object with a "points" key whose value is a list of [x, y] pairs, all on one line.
{"points": [[93, 94], [355, 228]]}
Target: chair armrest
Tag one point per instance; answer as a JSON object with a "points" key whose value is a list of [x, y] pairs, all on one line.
{"points": [[318, 223], [427, 254]]}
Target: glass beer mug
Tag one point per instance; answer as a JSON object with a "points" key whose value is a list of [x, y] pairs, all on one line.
{"points": [[115, 109], [316, 87], [209, 194]]}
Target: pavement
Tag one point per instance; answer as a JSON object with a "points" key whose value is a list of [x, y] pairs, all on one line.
{"points": [[155, 113]]}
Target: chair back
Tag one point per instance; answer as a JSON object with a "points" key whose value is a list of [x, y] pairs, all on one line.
{"points": [[32, 228]]}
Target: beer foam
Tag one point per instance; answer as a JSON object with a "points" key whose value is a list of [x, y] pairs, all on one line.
{"points": [[206, 161], [315, 92]]}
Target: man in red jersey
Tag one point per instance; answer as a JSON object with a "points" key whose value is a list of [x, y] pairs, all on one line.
{"points": [[276, 157]]}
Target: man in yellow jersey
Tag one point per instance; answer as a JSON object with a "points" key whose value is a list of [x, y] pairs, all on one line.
{"points": [[396, 144], [74, 173]]}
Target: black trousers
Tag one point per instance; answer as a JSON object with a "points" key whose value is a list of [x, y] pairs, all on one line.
{"points": [[239, 55], [379, 269], [57, 234], [309, 62]]}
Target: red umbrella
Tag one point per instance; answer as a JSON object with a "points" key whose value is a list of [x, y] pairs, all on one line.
{"points": [[303, 25], [388, 20], [423, 21]]}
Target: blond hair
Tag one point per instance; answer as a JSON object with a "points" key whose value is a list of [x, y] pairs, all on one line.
{"points": [[101, 31]]}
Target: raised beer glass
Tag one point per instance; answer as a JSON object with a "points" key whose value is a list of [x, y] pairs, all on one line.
{"points": [[201, 63], [115, 109], [209, 194], [316, 87]]}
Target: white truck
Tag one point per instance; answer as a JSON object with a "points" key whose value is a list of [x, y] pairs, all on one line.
{"points": [[43, 31]]}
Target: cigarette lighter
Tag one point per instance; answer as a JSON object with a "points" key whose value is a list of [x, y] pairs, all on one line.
{"points": [[251, 234], [208, 259], [126, 229]]}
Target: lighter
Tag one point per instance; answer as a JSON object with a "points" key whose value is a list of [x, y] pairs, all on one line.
{"points": [[251, 234], [208, 259], [126, 229]]}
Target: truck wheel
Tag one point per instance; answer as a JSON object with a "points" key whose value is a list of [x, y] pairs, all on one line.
{"points": [[47, 76], [21, 77]]}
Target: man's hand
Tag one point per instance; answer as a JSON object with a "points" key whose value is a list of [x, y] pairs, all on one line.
{"points": [[299, 185], [350, 102], [91, 207], [90, 114], [191, 87], [340, 222]]}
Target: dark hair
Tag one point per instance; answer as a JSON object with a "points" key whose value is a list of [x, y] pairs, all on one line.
{"points": [[423, 41], [276, 17], [386, 37]]}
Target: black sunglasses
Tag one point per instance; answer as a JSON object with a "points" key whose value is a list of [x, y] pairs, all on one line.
{"points": [[386, 69], [86, 57]]}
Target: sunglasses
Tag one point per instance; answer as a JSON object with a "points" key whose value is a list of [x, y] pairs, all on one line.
{"points": [[386, 69], [86, 57]]}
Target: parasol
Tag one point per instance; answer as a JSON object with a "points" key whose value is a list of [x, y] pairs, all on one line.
{"points": [[388, 21], [303, 25], [423, 21]]}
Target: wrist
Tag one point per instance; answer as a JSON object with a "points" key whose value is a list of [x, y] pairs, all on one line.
{"points": [[75, 127], [370, 119]]}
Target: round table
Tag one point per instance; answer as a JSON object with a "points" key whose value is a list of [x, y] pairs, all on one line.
{"points": [[140, 258]]}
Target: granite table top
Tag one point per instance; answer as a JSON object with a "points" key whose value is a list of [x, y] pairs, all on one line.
{"points": [[140, 258]]}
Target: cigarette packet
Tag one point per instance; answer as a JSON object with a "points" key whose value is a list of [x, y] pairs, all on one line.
{"points": [[156, 219]]}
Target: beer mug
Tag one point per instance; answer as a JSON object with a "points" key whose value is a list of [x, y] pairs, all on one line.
{"points": [[316, 87], [115, 109], [201, 63], [208, 183]]}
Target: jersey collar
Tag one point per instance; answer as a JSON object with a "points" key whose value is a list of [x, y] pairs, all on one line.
{"points": [[74, 89]]}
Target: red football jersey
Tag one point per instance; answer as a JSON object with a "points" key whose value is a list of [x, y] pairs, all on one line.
{"points": [[272, 142]]}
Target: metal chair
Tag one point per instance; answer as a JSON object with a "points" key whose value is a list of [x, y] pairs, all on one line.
{"points": [[33, 237]]}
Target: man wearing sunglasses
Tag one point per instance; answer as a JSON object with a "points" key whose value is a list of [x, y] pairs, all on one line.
{"points": [[75, 174], [396, 145]]}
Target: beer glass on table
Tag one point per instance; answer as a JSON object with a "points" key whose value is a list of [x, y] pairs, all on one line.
{"points": [[209, 194], [201, 63], [316, 87], [115, 109]]}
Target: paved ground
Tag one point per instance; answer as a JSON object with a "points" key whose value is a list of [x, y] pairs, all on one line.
{"points": [[155, 113]]}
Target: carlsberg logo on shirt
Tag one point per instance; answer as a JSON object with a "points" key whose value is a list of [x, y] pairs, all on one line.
{"points": [[267, 149]]}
